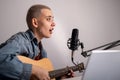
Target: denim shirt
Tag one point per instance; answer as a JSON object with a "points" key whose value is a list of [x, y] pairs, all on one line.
{"points": [[22, 43]]}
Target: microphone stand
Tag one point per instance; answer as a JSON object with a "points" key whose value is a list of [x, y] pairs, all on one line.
{"points": [[107, 46]]}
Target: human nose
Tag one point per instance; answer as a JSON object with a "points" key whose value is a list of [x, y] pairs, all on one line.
{"points": [[53, 24]]}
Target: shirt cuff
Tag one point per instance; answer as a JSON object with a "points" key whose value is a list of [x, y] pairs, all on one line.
{"points": [[27, 68]]}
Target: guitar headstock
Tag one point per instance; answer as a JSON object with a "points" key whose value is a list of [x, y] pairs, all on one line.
{"points": [[80, 67]]}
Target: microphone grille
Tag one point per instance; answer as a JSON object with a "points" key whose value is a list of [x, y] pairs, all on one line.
{"points": [[74, 39]]}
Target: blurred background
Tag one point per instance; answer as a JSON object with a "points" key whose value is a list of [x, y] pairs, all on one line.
{"points": [[98, 22]]}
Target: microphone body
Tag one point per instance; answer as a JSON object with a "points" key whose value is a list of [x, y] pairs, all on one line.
{"points": [[73, 42]]}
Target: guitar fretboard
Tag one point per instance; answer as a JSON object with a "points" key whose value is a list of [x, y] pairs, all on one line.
{"points": [[63, 71]]}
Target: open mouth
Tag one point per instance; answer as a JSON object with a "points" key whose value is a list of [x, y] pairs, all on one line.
{"points": [[51, 30]]}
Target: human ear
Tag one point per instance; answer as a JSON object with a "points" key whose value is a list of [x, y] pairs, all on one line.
{"points": [[34, 22]]}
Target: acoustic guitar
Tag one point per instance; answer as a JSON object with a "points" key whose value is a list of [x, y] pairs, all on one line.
{"points": [[46, 64]]}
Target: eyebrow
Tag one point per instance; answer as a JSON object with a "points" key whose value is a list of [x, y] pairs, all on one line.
{"points": [[50, 16]]}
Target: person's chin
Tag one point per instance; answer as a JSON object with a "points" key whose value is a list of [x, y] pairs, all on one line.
{"points": [[48, 36]]}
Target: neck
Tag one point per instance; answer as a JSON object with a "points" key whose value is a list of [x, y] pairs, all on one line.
{"points": [[37, 36]]}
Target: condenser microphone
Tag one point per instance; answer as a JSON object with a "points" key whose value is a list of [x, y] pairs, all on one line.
{"points": [[73, 42]]}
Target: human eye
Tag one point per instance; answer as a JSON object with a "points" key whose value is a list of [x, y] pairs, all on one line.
{"points": [[49, 19]]}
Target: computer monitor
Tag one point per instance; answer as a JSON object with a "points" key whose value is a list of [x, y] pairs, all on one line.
{"points": [[103, 65]]}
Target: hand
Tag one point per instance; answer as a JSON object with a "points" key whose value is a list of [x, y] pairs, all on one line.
{"points": [[69, 75], [39, 73]]}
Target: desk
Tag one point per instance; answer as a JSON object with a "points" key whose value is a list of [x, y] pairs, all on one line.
{"points": [[74, 78]]}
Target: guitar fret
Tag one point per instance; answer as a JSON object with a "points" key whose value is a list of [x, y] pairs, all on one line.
{"points": [[58, 73]]}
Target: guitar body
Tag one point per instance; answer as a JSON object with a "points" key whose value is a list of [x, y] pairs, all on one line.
{"points": [[43, 63]]}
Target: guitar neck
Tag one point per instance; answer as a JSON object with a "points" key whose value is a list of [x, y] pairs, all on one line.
{"points": [[63, 71]]}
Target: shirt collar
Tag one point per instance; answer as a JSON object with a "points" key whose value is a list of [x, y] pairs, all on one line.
{"points": [[31, 36]]}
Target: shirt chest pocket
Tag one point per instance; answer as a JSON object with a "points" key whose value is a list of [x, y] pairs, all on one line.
{"points": [[30, 50]]}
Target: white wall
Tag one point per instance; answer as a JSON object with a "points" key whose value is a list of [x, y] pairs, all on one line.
{"points": [[98, 22]]}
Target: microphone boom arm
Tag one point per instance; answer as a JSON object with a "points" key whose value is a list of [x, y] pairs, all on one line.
{"points": [[109, 45]]}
